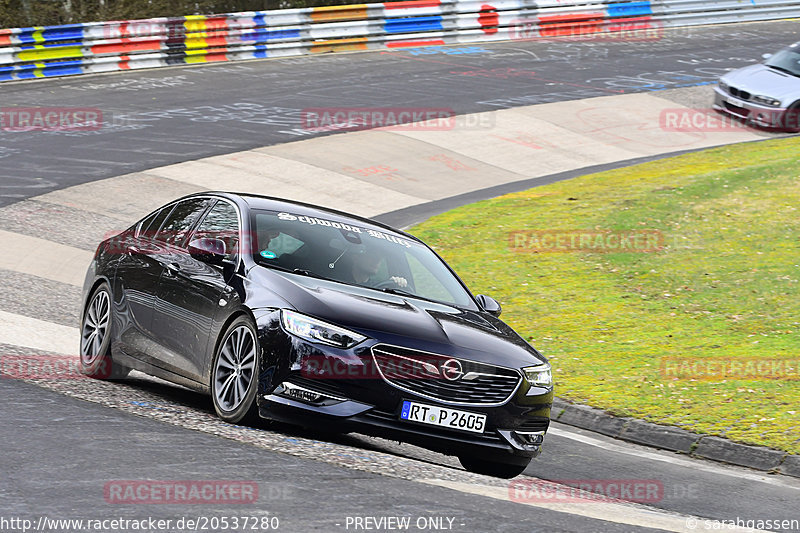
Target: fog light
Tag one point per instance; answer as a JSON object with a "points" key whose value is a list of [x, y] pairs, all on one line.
{"points": [[530, 437], [302, 394]]}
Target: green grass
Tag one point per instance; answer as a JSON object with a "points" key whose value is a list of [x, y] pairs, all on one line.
{"points": [[724, 286]]}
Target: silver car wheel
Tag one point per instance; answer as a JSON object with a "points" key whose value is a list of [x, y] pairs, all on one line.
{"points": [[235, 368], [95, 327]]}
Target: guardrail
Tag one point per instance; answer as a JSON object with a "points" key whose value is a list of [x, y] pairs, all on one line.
{"points": [[47, 51]]}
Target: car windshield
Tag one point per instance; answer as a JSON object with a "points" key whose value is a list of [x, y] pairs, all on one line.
{"points": [[339, 250], [787, 60]]}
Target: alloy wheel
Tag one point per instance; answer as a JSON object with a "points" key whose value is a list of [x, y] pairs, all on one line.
{"points": [[235, 367], [95, 327]]}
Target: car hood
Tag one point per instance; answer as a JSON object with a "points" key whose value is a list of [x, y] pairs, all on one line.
{"points": [[404, 321], [760, 79]]}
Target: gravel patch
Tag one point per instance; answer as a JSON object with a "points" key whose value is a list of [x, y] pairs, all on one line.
{"points": [[700, 97], [154, 398]]}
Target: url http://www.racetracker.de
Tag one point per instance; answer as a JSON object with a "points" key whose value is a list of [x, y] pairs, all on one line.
{"points": [[196, 523]]}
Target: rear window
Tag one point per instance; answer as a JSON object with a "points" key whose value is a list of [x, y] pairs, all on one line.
{"points": [[181, 220], [150, 225]]}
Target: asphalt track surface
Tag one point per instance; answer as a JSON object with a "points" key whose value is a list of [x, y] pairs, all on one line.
{"points": [[58, 452], [303, 494], [181, 114]]}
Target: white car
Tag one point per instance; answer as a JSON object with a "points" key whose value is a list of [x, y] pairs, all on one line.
{"points": [[766, 94]]}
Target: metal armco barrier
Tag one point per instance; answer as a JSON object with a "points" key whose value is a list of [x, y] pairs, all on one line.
{"points": [[133, 44]]}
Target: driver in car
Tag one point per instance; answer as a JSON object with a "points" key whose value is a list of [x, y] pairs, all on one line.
{"points": [[364, 268]]}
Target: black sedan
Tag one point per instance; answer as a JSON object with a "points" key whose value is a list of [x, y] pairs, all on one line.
{"points": [[306, 315]]}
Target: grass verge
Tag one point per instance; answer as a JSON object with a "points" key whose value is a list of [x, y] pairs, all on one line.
{"points": [[703, 334]]}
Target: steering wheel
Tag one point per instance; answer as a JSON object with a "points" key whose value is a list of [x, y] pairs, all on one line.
{"points": [[387, 284]]}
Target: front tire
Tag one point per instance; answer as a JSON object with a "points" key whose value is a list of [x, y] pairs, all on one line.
{"points": [[493, 468], [791, 119], [95, 359], [234, 373]]}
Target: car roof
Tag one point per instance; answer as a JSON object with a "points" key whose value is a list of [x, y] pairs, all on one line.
{"points": [[272, 203]]}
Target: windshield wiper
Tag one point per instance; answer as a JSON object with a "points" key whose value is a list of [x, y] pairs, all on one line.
{"points": [[782, 69], [300, 271], [304, 272], [401, 292]]}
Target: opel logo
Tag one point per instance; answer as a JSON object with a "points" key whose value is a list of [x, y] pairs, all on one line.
{"points": [[451, 370]]}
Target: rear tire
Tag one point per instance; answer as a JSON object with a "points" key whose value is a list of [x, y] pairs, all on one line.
{"points": [[234, 373], [95, 358], [493, 468]]}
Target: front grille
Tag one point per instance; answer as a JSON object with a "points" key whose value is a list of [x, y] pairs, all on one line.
{"points": [[447, 379], [744, 95]]}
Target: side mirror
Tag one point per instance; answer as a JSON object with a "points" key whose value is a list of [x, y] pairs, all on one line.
{"points": [[489, 304], [210, 251], [766, 56]]}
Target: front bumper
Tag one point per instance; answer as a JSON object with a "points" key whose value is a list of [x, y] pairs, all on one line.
{"points": [[351, 416], [369, 404], [749, 112]]}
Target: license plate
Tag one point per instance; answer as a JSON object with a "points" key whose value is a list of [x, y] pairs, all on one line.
{"points": [[443, 417], [733, 101]]}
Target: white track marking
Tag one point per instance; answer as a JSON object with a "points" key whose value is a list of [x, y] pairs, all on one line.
{"points": [[43, 258], [397, 164], [126, 198], [38, 334], [629, 449], [262, 172], [618, 513]]}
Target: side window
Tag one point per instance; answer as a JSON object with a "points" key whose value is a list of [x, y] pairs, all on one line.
{"points": [[151, 224], [180, 221], [222, 222]]}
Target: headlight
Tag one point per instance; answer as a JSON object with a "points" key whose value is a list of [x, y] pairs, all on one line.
{"points": [[539, 375], [766, 100], [723, 86], [314, 330]]}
